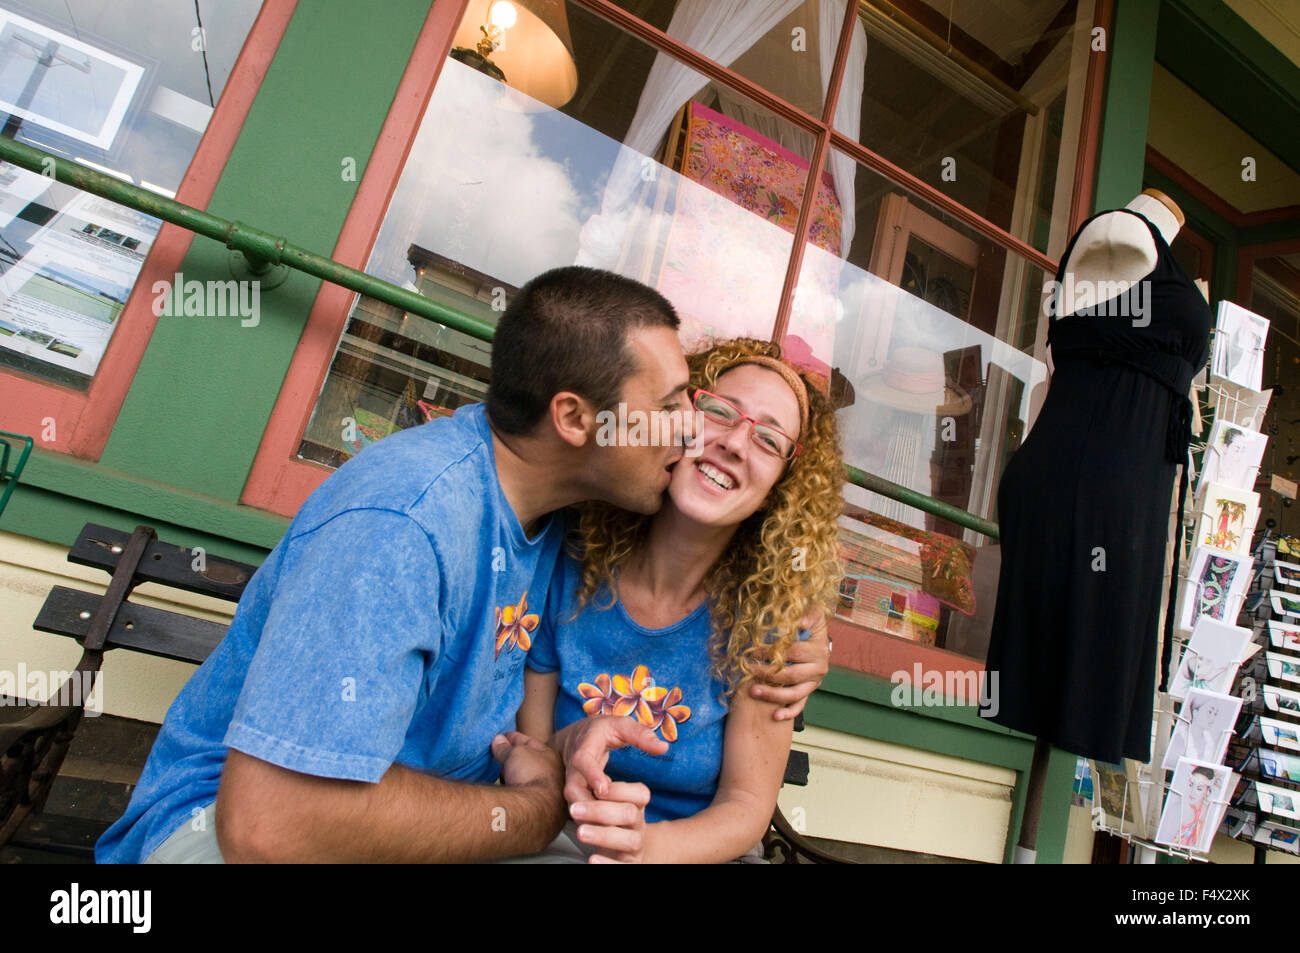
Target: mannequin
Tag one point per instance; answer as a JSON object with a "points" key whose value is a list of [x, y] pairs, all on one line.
{"points": [[1084, 501], [1083, 504]]}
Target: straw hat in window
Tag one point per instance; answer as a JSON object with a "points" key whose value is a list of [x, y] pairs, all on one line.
{"points": [[913, 380]]}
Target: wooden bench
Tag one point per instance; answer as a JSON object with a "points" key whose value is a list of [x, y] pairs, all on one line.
{"points": [[34, 738]]}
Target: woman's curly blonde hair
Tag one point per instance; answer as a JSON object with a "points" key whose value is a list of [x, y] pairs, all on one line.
{"points": [[782, 560]]}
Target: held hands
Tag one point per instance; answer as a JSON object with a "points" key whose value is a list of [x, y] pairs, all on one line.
{"points": [[806, 664], [615, 825], [585, 746], [610, 814]]}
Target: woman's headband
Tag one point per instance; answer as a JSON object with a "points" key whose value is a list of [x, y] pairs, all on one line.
{"points": [[791, 378]]}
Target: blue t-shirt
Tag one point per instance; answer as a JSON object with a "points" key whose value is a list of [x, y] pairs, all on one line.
{"points": [[608, 664], [389, 625]]}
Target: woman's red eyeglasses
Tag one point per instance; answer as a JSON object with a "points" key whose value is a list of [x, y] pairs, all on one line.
{"points": [[770, 439]]}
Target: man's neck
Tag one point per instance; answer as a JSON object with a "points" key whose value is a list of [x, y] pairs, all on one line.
{"points": [[533, 481]]}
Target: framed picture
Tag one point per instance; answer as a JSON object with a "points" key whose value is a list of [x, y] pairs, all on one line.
{"points": [[1239, 345], [1210, 659], [1216, 581], [1203, 729], [86, 100], [1226, 518], [1232, 456], [1195, 805]]}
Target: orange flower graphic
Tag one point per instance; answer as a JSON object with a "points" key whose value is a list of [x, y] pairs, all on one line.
{"points": [[513, 625], [653, 705]]}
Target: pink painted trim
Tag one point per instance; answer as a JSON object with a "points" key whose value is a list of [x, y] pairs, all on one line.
{"points": [[84, 420], [279, 481]]}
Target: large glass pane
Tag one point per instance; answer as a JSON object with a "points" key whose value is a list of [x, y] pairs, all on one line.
{"points": [[932, 330], [128, 88], [637, 166], [980, 100]]}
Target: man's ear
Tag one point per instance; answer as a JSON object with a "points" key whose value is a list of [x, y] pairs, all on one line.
{"points": [[573, 418]]}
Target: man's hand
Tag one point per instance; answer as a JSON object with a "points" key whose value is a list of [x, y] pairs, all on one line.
{"points": [[615, 825], [806, 664], [585, 746], [525, 760]]}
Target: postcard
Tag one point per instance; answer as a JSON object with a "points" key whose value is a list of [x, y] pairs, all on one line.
{"points": [[1216, 582], [1195, 805], [1277, 835], [1226, 518], [1210, 659], [1284, 635], [1239, 345], [1276, 800], [1285, 603], [1241, 406], [1285, 667], [1203, 728], [1281, 700], [1287, 574], [1232, 456]]}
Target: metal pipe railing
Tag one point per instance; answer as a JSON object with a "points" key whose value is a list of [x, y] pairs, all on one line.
{"points": [[264, 251]]}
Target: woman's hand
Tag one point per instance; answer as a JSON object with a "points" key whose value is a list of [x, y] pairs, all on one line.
{"points": [[616, 824], [584, 747], [806, 664]]}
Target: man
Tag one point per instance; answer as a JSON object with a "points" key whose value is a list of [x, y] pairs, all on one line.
{"points": [[354, 710]]}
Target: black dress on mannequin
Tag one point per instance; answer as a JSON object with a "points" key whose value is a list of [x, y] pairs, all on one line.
{"points": [[1083, 509]]}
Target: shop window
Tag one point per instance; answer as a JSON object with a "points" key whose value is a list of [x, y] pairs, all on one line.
{"points": [[971, 101], [924, 320], [126, 88]]}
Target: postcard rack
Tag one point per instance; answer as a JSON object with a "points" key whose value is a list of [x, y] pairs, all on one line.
{"points": [[1145, 808], [1260, 757]]}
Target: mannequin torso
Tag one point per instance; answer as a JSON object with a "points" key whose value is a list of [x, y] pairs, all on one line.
{"points": [[1117, 247]]}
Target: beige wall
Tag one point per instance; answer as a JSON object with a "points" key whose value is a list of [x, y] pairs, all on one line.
{"points": [[887, 795]]}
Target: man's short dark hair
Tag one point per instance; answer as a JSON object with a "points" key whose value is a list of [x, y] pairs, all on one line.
{"points": [[567, 329]]}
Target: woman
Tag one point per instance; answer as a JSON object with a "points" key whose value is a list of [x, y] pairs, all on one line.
{"points": [[667, 618]]}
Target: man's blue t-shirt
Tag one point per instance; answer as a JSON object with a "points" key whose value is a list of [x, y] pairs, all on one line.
{"points": [[609, 664], [389, 625]]}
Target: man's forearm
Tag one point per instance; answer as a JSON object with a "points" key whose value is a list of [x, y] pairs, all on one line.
{"points": [[265, 813]]}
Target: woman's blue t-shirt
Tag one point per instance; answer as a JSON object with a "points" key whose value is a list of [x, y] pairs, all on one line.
{"points": [[609, 664]]}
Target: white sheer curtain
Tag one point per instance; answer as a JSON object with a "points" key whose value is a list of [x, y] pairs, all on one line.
{"points": [[721, 30], [848, 108]]}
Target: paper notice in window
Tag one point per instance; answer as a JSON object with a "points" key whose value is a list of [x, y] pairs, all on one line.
{"points": [[60, 302]]}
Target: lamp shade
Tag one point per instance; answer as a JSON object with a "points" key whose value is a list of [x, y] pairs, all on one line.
{"points": [[536, 54]]}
